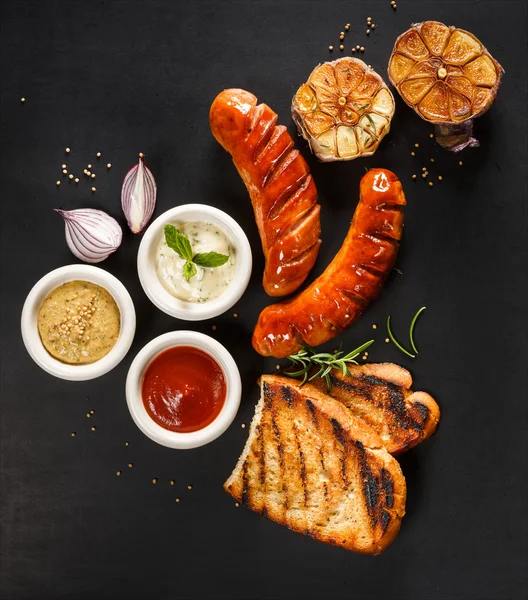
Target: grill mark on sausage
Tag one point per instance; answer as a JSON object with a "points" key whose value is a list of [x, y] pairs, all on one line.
{"points": [[270, 132], [252, 118], [280, 166], [390, 207], [275, 165], [299, 257], [288, 193], [378, 236], [354, 297]]}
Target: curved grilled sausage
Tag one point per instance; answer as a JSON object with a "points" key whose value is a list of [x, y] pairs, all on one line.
{"points": [[279, 183], [352, 280]]}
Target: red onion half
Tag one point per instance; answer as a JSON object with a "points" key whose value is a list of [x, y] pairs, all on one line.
{"points": [[138, 196], [91, 234]]}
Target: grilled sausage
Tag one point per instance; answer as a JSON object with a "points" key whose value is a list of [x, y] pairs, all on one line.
{"points": [[352, 280], [279, 183]]}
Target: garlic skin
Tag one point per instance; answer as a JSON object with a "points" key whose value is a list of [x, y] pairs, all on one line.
{"points": [[91, 234], [138, 196]]}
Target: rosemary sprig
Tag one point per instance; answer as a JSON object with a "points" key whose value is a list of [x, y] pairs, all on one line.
{"points": [[411, 329], [411, 334], [308, 358], [395, 341]]}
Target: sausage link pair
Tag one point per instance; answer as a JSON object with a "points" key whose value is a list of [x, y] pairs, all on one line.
{"points": [[352, 280], [278, 180]]}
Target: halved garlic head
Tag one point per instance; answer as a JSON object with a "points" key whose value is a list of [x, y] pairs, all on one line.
{"points": [[445, 74], [344, 110]]}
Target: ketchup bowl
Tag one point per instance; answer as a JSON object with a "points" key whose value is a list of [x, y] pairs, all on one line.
{"points": [[183, 389]]}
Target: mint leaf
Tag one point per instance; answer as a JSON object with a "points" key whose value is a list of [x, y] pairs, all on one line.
{"points": [[189, 270], [210, 259], [178, 242]]}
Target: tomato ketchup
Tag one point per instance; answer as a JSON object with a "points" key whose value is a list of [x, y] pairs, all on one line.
{"points": [[183, 389]]}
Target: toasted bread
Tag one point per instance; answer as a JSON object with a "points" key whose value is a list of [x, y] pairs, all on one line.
{"points": [[313, 466], [380, 395]]}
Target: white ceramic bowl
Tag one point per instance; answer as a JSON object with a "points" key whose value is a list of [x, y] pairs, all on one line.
{"points": [[136, 373], [146, 263], [32, 305]]}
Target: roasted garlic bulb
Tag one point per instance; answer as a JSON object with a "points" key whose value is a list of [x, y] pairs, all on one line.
{"points": [[344, 110], [447, 76]]}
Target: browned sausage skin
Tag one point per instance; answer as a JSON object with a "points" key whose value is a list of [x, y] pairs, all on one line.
{"points": [[278, 180], [352, 280]]}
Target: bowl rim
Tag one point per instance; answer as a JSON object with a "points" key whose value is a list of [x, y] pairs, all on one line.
{"points": [[181, 309], [47, 284], [134, 380]]}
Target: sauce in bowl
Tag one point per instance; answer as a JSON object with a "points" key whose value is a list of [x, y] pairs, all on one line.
{"points": [[183, 389]]}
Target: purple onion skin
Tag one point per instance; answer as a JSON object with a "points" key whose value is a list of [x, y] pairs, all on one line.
{"points": [[456, 137], [149, 196]]}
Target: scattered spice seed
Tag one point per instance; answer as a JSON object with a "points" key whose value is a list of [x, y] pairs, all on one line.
{"points": [[243, 426], [70, 176], [89, 166], [347, 26], [172, 482], [189, 487], [22, 100], [118, 473], [432, 159], [237, 504], [65, 172], [277, 367], [374, 326], [373, 26], [141, 155], [88, 173], [76, 180], [98, 155], [88, 415], [67, 150], [109, 166], [424, 168], [424, 175], [413, 153], [126, 443], [85, 171], [57, 182], [94, 189], [235, 315], [387, 340], [362, 48], [94, 428], [177, 499], [213, 327], [73, 434], [92, 412], [330, 48], [341, 47], [460, 163], [342, 36], [431, 135], [63, 167], [155, 480], [416, 145], [93, 175], [368, 31], [130, 465], [353, 49], [440, 177], [358, 47], [430, 184], [414, 176]]}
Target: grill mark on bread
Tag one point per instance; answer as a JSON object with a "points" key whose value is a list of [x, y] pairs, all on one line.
{"points": [[245, 485], [423, 410], [369, 483], [287, 395], [387, 486]]}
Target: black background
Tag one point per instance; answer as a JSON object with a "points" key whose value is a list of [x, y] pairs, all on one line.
{"points": [[125, 77]]}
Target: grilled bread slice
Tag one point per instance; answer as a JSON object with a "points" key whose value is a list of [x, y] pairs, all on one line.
{"points": [[313, 466], [380, 395]]}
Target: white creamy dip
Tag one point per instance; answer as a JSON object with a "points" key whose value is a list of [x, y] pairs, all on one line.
{"points": [[208, 283]]}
